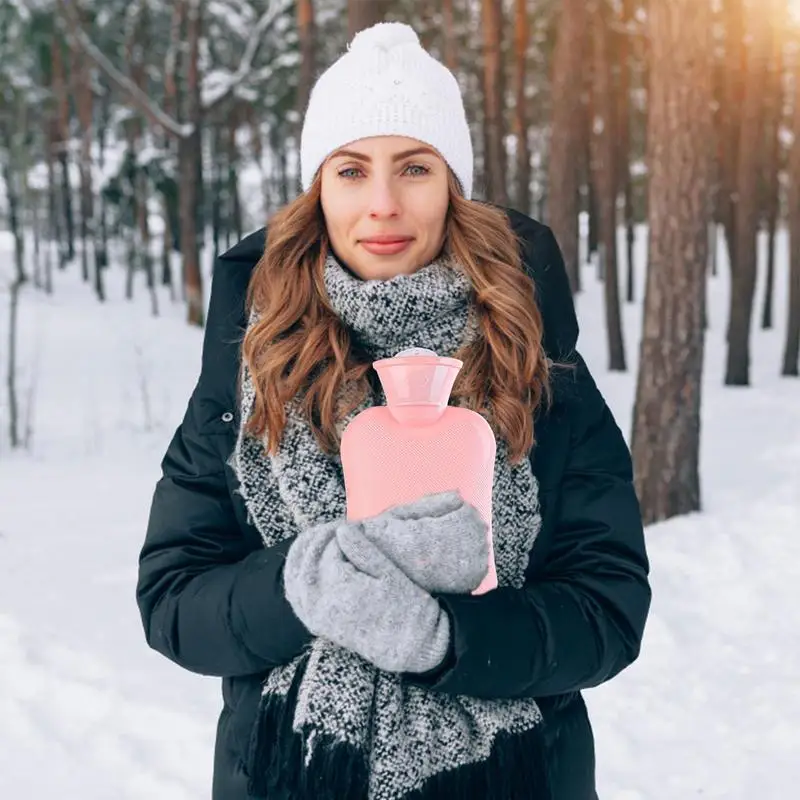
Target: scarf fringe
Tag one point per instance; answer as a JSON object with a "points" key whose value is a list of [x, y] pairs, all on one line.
{"points": [[277, 757], [517, 767]]}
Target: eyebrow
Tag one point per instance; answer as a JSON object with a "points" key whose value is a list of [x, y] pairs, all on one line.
{"points": [[396, 157]]}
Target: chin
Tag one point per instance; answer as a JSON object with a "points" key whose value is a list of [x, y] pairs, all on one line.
{"points": [[384, 269]]}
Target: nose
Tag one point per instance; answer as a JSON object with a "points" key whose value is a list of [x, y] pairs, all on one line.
{"points": [[383, 201]]}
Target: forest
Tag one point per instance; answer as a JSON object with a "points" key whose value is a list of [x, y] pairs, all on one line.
{"points": [[127, 130]]}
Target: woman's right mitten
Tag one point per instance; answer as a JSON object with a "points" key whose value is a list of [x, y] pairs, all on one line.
{"points": [[439, 541]]}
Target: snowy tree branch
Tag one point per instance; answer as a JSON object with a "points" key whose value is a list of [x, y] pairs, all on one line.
{"points": [[219, 86], [72, 27], [222, 89]]}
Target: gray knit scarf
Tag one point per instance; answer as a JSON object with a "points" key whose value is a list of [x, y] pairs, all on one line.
{"points": [[331, 725]]}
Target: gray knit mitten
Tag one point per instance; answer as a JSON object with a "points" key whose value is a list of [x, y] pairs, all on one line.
{"points": [[342, 587], [439, 541]]}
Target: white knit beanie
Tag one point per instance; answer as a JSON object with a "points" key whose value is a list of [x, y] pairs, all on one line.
{"points": [[386, 85]]}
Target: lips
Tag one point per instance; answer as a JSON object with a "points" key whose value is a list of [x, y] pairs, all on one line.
{"points": [[386, 245]]}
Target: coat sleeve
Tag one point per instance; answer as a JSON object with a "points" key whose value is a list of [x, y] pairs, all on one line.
{"points": [[580, 620], [210, 597]]}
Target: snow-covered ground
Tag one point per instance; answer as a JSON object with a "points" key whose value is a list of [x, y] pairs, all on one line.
{"points": [[87, 712]]}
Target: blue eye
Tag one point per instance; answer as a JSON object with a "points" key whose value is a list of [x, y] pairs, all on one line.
{"points": [[347, 173], [418, 170], [413, 170]]}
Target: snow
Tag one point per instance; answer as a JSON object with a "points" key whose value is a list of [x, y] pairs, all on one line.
{"points": [[88, 711]]}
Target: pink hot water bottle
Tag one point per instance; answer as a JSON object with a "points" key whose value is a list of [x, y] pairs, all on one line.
{"points": [[417, 444]]}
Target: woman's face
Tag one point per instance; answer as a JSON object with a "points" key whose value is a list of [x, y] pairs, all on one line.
{"points": [[385, 202]]}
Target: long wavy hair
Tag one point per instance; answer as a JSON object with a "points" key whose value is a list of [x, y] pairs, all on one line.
{"points": [[297, 347]]}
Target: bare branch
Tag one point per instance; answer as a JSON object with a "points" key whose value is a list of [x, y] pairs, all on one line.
{"points": [[256, 37], [71, 26]]}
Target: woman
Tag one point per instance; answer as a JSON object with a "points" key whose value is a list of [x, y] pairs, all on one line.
{"points": [[348, 670]]}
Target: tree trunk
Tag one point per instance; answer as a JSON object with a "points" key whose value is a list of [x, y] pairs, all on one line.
{"points": [[233, 184], [171, 226], [791, 352], [624, 55], [61, 120], [53, 217], [306, 29], [666, 425], [143, 243], [166, 249], [743, 279], [282, 162], [15, 434], [606, 180], [13, 196], [630, 240], [192, 277], [448, 34], [591, 190], [592, 238], [712, 245], [523, 155], [364, 14], [257, 154], [134, 57], [66, 201], [188, 155], [129, 236], [772, 167], [731, 119], [566, 138], [101, 258], [84, 101], [219, 202], [494, 153], [769, 278], [13, 178], [427, 26], [36, 224], [307, 33]]}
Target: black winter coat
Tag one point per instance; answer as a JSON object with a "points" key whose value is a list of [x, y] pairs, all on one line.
{"points": [[211, 598]]}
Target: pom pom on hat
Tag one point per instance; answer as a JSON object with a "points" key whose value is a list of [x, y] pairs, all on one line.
{"points": [[385, 35], [386, 84]]}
